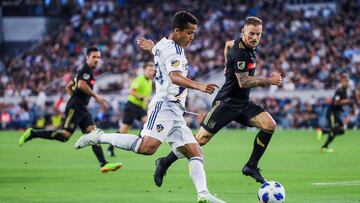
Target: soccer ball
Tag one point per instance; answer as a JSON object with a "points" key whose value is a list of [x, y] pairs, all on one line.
{"points": [[271, 192]]}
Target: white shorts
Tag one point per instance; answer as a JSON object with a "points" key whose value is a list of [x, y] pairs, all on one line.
{"points": [[166, 123]]}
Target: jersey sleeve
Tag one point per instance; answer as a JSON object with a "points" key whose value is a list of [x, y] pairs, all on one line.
{"points": [[239, 61], [337, 96], [136, 83], [173, 58], [83, 74]]}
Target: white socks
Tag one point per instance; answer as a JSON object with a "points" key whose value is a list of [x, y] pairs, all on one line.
{"points": [[123, 141], [197, 173]]}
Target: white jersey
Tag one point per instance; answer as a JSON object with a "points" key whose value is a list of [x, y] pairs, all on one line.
{"points": [[168, 57]]}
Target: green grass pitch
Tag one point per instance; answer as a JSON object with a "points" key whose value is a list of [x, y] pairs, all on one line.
{"points": [[49, 171]]}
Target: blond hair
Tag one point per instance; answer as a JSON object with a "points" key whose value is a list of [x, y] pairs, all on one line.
{"points": [[252, 20]]}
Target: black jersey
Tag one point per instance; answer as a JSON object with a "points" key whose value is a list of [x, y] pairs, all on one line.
{"points": [[239, 59], [340, 94], [79, 98]]}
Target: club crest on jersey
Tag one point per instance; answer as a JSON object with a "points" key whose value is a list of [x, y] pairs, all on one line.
{"points": [[251, 66], [175, 63], [86, 76], [159, 127], [241, 65]]}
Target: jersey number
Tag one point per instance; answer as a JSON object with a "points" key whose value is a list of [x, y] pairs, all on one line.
{"points": [[158, 74], [75, 83]]}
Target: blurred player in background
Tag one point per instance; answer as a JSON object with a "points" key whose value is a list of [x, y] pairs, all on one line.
{"points": [[166, 121], [333, 114], [138, 100], [232, 101], [76, 113]]}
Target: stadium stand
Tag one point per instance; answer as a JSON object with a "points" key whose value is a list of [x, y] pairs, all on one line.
{"points": [[308, 44]]}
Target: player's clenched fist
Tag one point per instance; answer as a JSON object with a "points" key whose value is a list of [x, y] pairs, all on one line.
{"points": [[276, 79]]}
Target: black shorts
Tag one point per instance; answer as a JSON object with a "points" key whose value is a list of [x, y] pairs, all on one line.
{"points": [[223, 112], [76, 116], [132, 112], [334, 119]]}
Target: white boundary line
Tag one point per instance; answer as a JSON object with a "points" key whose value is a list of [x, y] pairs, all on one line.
{"points": [[343, 183]]}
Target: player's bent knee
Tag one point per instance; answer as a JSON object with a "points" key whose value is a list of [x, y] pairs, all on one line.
{"points": [[148, 149], [203, 140], [269, 126], [203, 136]]}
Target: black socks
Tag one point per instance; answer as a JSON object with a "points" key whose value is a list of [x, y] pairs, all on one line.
{"points": [[169, 159], [99, 154], [261, 141], [48, 134]]}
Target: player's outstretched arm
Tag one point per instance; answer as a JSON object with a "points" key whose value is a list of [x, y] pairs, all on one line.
{"points": [[178, 79], [246, 81], [83, 86], [145, 44]]}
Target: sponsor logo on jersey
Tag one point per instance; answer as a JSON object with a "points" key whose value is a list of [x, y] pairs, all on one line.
{"points": [[251, 66]]}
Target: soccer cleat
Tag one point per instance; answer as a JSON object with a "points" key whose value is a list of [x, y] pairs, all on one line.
{"points": [[110, 149], [160, 172], [326, 150], [91, 138], [208, 198], [254, 173], [319, 133], [24, 137], [110, 167]]}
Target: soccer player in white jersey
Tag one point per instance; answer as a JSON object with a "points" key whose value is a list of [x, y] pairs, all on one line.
{"points": [[166, 121]]}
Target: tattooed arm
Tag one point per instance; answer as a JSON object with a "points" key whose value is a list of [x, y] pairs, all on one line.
{"points": [[246, 81]]}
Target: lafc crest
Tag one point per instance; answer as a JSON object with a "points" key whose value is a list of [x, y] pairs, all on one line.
{"points": [[241, 65]]}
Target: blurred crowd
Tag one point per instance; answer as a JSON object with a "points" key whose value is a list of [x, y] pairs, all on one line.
{"points": [[310, 47], [287, 112]]}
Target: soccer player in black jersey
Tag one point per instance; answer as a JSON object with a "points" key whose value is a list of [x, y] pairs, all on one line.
{"points": [[76, 113], [335, 124], [232, 101]]}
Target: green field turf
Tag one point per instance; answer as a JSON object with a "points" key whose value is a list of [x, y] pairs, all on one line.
{"points": [[49, 171]]}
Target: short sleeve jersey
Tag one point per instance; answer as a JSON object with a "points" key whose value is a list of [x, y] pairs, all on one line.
{"points": [[169, 57], [80, 98], [340, 93], [239, 59]]}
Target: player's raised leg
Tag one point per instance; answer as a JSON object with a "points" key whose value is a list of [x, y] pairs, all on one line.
{"points": [[29, 134], [145, 145]]}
